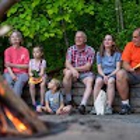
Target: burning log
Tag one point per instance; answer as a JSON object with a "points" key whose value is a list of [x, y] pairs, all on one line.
{"points": [[13, 109]]}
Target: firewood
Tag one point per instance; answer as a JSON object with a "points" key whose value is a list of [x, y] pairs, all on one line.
{"points": [[20, 109]]}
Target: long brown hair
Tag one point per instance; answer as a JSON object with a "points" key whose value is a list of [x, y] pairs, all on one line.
{"points": [[114, 47]]}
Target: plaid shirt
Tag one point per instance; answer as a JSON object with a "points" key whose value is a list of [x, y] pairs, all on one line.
{"points": [[80, 57]]}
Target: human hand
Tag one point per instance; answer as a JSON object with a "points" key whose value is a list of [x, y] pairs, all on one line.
{"points": [[106, 79], [50, 111], [67, 109], [14, 77], [136, 71], [59, 111], [31, 74], [75, 73], [40, 74]]}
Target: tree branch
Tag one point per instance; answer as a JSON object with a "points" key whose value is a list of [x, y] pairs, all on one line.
{"points": [[5, 5]]}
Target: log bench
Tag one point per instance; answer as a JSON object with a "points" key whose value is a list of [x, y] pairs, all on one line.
{"points": [[78, 90]]}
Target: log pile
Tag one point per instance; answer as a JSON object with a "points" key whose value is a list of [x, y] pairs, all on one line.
{"points": [[16, 118]]}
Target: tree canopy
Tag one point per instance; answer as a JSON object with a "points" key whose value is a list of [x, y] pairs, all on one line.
{"points": [[53, 23]]}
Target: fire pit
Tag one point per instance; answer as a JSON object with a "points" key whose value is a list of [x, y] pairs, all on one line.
{"points": [[16, 118]]}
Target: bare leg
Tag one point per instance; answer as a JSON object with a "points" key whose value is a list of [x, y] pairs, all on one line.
{"points": [[32, 93], [88, 81], [42, 91], [97, 87], [110, 91], [122, 84], [67, 84]]}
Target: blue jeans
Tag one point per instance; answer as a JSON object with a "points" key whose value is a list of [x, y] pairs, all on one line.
{"points": [[18, 85]]}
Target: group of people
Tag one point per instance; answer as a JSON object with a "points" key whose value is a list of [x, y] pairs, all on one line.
{"points": [[116, 70]]}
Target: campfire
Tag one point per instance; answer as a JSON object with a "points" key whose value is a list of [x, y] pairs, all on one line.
{"points": [[16, 118]]}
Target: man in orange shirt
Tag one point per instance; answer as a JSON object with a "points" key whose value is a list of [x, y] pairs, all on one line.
{"points": [[129, 75]]}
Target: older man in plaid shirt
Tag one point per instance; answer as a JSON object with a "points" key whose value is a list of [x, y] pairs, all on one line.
{"points": [[79, 60]]}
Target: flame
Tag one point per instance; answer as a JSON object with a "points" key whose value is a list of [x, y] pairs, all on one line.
{"points": [[17, 123], [2, 91]]}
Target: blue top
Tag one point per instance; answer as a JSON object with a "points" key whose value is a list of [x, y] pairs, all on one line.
{"points": [[54, 99], [108, 63]]}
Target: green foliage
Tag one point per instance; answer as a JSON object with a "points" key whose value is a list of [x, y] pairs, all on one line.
{"points": [[53, 24], [41, 19], [45, 22]]}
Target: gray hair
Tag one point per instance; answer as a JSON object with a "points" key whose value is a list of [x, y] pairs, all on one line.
{"points": [[83, 34]]}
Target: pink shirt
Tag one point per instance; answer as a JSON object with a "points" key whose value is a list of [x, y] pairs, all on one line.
{"points": [[16, 56]]}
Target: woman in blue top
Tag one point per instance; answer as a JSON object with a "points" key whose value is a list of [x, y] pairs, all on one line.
{"points": [[108, 63]]}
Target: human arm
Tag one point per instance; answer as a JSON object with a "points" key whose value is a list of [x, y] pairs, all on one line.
{"points": [[61, 104], [118, 64], [73, 70], [19, 66], [43, 68], [7, 59], [90, 53], [127, 56], [127, 67], [47, 107], [14, 77], [60, 109], [30, 72], [86, 67], [22, 61]]}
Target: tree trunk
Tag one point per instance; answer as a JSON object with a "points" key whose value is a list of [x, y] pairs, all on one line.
{"points": [[119, 15], [5, 5]]}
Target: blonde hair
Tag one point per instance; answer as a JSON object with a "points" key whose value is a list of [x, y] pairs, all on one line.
{"points": [[57, 83]]}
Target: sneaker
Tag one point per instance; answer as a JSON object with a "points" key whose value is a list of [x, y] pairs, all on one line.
{"points": [[108, 110], [82, 109], [93, 111], [125, 109]]}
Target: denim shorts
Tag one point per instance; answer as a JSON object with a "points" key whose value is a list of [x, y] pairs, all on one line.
{"points": [[113, 76], [84, 75]]}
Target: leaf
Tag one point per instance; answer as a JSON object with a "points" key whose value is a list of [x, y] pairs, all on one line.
{"points": [[35, 3]]}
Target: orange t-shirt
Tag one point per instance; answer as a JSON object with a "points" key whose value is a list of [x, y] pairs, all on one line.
{"points": [[16, 56], [131, 54]]}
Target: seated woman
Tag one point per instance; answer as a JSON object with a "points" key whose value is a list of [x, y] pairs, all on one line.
{"points": [[16, 59], [108, 64]]}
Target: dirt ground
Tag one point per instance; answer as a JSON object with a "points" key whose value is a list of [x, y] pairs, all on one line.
{"points": [[89, 127]]}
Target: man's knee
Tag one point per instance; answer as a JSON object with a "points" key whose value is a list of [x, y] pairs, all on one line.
{"points": [[68, 74], [121, 74], [89, 82]]}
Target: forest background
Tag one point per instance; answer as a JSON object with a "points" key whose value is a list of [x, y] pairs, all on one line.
{"points": [[53, 23]]}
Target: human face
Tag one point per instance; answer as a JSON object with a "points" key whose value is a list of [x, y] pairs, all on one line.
{"points": [[37, 53], [79, 39], [15, 39], [51, 85], [108, 41], [136, 38]]}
